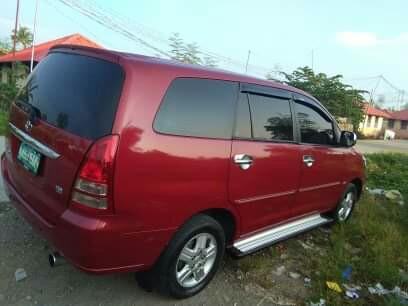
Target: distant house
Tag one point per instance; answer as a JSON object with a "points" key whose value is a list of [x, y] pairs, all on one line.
{"points": [[374, 121], [398, 122], [377, 121], [40, 51]]}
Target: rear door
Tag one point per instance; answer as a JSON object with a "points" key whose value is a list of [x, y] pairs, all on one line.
{"points": [[322, 160], [67, 102], [265, 160]]}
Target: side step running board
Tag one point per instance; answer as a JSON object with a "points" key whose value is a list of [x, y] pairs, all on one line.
{"points": [[279, 233]]}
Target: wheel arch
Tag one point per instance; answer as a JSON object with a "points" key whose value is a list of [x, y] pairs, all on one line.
{"points": [[358, 182], [227, 220]]}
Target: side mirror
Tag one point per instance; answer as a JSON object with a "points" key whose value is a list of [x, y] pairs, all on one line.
{"points": [[348, 139]]}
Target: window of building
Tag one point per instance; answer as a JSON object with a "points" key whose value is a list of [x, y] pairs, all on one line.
{"points": [[368, 121], [374, 123], [377, 122], [404, 124], [391, 123]]}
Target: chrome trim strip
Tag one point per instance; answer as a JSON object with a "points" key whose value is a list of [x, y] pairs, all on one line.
{"points": [[319, 186], [278, 233], [264, 197], [43, 149]]}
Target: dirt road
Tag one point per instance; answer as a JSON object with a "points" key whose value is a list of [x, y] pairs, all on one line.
{"points": [[376, 146], [20, 247]]}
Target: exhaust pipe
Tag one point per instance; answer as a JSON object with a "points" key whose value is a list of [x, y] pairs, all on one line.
{"points": [[55, 259]]}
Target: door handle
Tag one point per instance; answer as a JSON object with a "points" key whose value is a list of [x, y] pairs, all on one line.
{"points": [[243, 160], [308, 160]]}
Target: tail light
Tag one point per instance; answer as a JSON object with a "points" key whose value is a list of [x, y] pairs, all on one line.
{"points": [[94, 184]]}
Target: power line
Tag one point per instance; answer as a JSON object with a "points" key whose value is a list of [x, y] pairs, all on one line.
{"points": [[119, 23], [108, 22], [75, 21]]}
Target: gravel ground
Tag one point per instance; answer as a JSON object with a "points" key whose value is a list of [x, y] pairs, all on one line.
{"points": [[20, 247]]}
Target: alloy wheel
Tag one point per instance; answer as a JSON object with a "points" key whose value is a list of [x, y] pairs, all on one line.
{"points": [[196, 260], [346, 206]]}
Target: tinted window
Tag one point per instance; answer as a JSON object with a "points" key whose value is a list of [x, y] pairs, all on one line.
{"points": [[391, 123], [404, 125], [271, 118], [243, 118], [315, 126], [76, 93], [198, 107]]}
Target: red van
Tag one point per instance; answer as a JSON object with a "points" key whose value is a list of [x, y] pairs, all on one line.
{"points": [[131, 163]]}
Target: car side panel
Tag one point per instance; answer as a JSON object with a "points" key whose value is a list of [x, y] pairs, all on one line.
{"points": [[163, 180]]}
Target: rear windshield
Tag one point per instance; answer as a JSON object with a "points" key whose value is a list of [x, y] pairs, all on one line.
{"points": [[76, 93]]}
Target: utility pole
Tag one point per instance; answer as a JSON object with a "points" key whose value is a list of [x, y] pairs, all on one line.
{"points": [[34, 34], [247, 62], [15, 34]]}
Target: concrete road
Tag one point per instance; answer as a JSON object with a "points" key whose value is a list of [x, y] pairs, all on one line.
{"points": [[376, 146]]}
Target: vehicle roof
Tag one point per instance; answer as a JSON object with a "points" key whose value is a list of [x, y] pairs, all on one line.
{"points": [[203, 71]]}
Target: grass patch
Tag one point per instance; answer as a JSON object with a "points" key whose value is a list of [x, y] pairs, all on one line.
{"points": [[374, 242], [3, 122], [388, 171]]}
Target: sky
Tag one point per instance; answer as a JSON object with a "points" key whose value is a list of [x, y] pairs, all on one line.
{"points": [[357, 39]]}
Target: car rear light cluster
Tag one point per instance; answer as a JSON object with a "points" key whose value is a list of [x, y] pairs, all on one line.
{"points": [[94, 184]]}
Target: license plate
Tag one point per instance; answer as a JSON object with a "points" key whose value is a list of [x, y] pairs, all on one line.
{"points": [[29, 158]]}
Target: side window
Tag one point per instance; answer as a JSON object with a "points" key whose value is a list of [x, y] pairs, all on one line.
{"points": [[271, 118], [198, 107], [315, 126]]}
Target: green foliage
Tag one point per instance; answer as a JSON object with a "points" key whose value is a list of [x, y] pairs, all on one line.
{"points": [[5, 47], [188, 52], [3, 122], [24, 37], [388, 171], [9, 90], [340, 99]]}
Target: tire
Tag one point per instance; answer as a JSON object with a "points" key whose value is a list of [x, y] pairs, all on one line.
{"points": [[346, 204], [199, 263]]}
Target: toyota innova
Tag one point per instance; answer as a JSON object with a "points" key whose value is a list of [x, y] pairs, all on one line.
{"points": [[128, 163]]}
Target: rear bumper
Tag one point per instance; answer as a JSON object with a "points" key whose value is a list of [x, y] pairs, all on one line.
{"points": [[102, 244]]}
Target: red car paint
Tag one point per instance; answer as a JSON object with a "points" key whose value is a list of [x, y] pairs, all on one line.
{"points": [[160, 181]]}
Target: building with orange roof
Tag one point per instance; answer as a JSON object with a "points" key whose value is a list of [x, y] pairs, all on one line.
{"points": [[398, 122], [377, 121], [40, 51]]}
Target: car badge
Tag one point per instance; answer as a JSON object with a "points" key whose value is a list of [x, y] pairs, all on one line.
{"points": [[28, 126]]}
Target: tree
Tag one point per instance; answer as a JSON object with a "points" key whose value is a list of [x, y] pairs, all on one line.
{"points": [[177, 47], [24, 37], [189, 52], [340, 99], [5, 47], [9, 90]]}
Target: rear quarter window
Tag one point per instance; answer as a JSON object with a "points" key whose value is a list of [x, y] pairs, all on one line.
{"points": [[198, 107]]}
